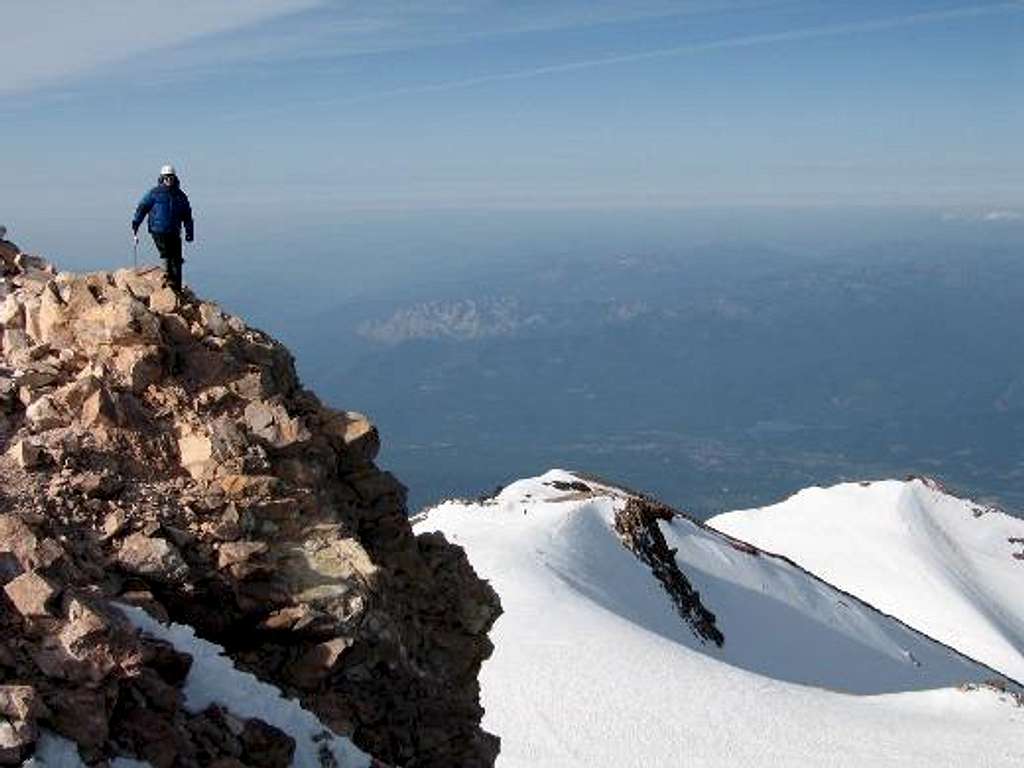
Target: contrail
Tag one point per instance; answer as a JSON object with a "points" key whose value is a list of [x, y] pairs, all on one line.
{"points": [[832, 30]]}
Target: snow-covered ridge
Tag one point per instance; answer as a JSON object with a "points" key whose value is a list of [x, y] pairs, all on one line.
{"points": [[946, 566], [593, 666]]}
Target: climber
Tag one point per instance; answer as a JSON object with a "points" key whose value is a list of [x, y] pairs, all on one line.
{"points": [[168, 210]]}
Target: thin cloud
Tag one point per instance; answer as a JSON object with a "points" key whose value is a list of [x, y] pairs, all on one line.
{"points": [[985, 217], [390, 26], [1003, 216], [48, 42], [747, 41]]}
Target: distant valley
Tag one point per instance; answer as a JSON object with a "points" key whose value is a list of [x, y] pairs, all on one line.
{"points": [[718, 376]]}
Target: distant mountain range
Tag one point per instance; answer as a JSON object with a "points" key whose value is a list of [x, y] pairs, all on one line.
{"points": [[720, 378]]}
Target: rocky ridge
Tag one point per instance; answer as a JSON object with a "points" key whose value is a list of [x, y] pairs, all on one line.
{"points": [[160, 453]]}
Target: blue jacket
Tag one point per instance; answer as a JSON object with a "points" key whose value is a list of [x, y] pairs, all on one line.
{"points": [[168, 210]]}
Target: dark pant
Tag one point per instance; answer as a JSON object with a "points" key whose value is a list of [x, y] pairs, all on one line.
{"points": [[169, 247]]}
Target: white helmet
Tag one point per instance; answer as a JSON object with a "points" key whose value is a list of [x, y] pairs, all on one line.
{"points": [[168, 170]]}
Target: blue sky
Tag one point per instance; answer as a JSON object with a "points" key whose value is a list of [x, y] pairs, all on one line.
{"points": [[297, 107]]}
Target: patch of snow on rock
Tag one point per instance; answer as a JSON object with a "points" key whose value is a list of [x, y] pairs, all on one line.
{"points": [[213, 679]]}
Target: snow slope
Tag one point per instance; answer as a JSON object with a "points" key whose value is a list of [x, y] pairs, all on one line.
{"points": [[943, 565], [594, 667]]}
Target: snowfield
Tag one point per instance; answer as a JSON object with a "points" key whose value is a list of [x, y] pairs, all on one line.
{"points": [[593, 666], [944, 565]]}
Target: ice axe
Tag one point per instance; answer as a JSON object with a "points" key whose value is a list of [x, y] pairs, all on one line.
{"points": [[135, 249]]}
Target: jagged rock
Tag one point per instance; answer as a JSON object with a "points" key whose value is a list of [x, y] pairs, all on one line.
{"points": [[264, 746], [99, 410], [271, 422], [113, 524], [18, 539], [189, 473], [26, 454], [163, 301], [316, 664], [232, 553], [43, 414], [12, 313], [32, 595], [354, 435], [97, 485], [213, 319], [138, 367], [20, 706], [150, 556]]}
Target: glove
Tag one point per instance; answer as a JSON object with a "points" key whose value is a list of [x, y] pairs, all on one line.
{"points": [[189, 238]]}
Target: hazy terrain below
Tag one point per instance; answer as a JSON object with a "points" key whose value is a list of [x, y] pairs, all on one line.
{"points": [[719, 359]]}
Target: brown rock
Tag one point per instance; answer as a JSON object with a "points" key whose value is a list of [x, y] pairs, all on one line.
{"points": [[19, 708], [151, 556], [231, 553], [138, 367], [141, 282], [26, 454], [32, 594], [316, 664], [18, 539], [264, 746], [43, 414], [81, 714], [12, 313], [99, 409], [113, 524], [249, 486], [270, 422], [72, 396], [196, 454], [97, 485], [228, 527], [213, 319], [163, 301], [355, 437]]}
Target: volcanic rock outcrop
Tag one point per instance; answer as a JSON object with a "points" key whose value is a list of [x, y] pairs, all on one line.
{"points": [[162, 454]]}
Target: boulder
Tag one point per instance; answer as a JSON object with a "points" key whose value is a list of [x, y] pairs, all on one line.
{"points": [[141, 282], [271, 423], [26, 454], [196, 454], [264, 746], [32, 595], [353, 435], [137, 367], [17, 538], [99, 409], [20, 706], [163, 301], [151, 556], [12, 313], [213, 319], [43, 414], [311, 669], [234, 552]]}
